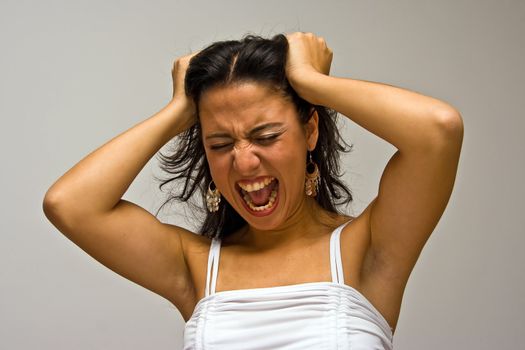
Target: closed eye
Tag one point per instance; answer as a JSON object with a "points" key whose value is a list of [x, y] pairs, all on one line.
{"points": [[221, 146], [267, 139], [263, 140]]}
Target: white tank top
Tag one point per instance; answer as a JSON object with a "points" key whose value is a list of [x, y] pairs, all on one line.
{"points": [[313, 315]]}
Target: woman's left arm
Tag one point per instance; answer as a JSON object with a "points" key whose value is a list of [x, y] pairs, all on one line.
{"points": [[417, 181]]}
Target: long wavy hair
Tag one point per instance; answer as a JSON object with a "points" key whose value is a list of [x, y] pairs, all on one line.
{"points": [[251, 59]]}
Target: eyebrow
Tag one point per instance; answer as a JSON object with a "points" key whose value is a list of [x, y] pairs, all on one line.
{"points": [[255, 130]]}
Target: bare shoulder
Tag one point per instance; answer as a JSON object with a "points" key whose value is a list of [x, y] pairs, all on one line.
{"points": [[355, 242], [194, 242], [366, 271], [195, 249]]}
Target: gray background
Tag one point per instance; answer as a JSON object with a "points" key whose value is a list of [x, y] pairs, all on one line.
{"points": [[76, 73]]}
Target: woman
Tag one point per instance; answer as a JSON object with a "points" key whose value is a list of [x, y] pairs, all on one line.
{"points": [[259, 140]]}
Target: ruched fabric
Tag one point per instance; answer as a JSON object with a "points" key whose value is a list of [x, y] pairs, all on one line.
{"points": [[315, 315]]}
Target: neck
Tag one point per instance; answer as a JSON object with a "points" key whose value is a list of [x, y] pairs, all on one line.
{"points": [[309, 220]]}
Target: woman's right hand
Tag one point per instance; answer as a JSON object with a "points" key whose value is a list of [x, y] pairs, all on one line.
{"points": [[307, 54], [179, 98]]}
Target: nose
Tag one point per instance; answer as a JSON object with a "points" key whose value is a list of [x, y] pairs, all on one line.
{"points": [[245, 161]]}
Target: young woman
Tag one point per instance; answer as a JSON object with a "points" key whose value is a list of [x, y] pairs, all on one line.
{"points": [[255, 121]]}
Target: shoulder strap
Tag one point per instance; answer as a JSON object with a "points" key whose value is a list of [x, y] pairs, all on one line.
{"points": [[213, 262], [336, 264]]}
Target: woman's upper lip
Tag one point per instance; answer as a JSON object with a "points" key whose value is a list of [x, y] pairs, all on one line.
{"points": [[254, 179]]}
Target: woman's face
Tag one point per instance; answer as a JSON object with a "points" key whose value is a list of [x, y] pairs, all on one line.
{"points": [[256, 149]]}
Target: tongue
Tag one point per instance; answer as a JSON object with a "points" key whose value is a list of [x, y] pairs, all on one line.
{"points": [[262, 196]]}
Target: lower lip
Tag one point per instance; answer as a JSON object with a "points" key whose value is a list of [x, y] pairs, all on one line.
{"points": [[264, 212]]}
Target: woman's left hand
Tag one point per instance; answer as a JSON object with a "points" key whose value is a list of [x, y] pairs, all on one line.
{"points": [[307, 54]]}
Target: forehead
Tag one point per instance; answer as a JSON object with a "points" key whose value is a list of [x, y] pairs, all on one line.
{"points": [[243, 105]]}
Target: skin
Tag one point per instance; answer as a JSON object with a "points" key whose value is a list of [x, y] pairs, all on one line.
{"points": [[233, 111], [379, 247]]}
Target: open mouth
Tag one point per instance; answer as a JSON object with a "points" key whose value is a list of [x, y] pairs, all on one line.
{"points": [[260, 196]]}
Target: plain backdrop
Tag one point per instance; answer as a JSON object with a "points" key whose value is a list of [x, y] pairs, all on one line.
{"points": [[74, 74]]}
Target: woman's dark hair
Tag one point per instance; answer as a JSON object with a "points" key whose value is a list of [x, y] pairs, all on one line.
{"points": [[252, 59]]}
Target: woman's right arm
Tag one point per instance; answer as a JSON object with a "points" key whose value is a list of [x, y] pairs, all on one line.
{"points": [[86, 204]]}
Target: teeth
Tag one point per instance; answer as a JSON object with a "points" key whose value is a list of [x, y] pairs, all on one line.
{"points": [[252, 206], [256, 186]]}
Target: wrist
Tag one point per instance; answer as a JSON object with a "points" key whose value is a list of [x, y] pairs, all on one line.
{"points": [[183, 113], [308, 86], [182, 104]]}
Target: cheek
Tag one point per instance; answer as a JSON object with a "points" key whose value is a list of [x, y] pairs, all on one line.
{"points": [[291, 166], [218, 164]]}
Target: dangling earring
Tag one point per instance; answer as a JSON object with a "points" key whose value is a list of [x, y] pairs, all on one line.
{"points": [[311, 184], [213, 198]]}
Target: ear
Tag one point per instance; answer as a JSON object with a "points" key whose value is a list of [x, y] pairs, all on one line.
{"points": [[312, 130]]}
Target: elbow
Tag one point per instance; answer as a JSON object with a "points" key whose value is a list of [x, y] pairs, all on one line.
{"points": [[449, 124], [54, 206], [56, 212], [50, 205]]}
